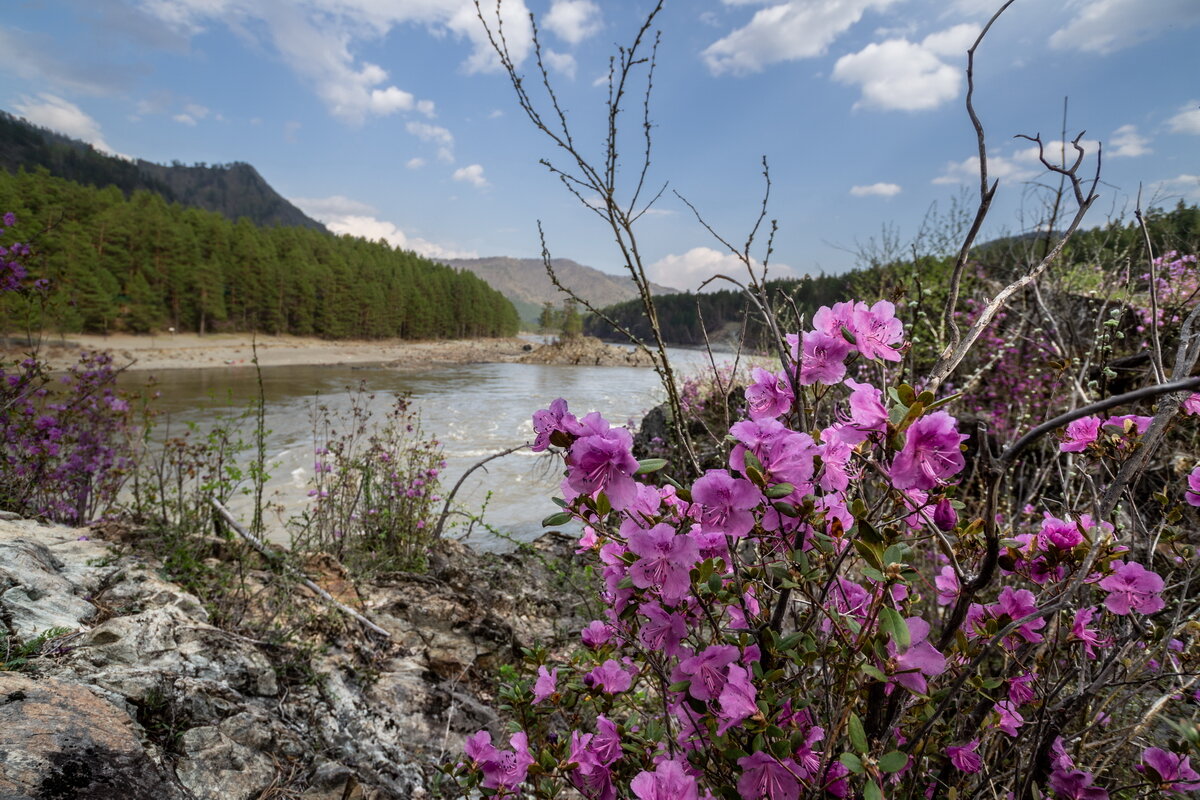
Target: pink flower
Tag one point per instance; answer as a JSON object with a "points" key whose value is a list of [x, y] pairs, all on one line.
{"points": [[1132, 587], [1080, 631], [603, 462], [669, 781], [965, 758], [611, 677], [944, 515], [1171, 770], [1017, 604], [1080, 434], [665, 563], [877, 331], [1130, 422], [662, 631], [1192, 404], [545, 685], [930, 454], [867, 412], [1010, 720], [1192, 495], [556, 419], [707, 670], [1075, 785], [596, 634], [770, 395], [822, 359], [920, 658], [831, 320], [787, 456], [725, 503], [1063, 534], [764, 776], [502, 769], [947, 586], [736, 698]]}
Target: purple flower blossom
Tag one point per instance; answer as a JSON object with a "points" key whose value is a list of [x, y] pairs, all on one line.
{"points": [[965, 758], [1132, 587], [1127, 423], [1075, 784], [1172, 771], [770, 395], [1191, 405], [556, 419], [1192, 495], [707, 670], [787, 456], [736, 699], [1080, 631], [596, 634], [822, 359], [1017, 604], [947, 586], [877, 331], [545, 685], [944, 515], [665, 560], [930, 454], [502, 769], [1010, 720], [602, 462], [669, 781], [764, 776], [918, 661], [611, 677], [1079, 434], [725, 503], [662, 631]]}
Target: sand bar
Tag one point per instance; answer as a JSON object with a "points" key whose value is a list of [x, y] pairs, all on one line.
{"points": [[190, 351]]}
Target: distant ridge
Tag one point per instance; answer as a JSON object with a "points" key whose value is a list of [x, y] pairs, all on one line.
{"points": [[525, 283], [234, 190]]}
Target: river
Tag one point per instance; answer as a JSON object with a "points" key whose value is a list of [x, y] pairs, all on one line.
{"points": [[474, 410]]}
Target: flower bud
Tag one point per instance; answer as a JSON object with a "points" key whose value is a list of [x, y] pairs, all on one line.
{"points": [[944, 515]]}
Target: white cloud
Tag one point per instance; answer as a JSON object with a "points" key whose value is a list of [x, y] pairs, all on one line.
{"points": [[415, 163], [1104, 26], [999, 167], [876, 190], [345, 216], [561, 62], [1184, 186], [1187, 120], [785, 32], [434, 134], [51, 111], [901, 75], [573, 20], [318, 40], [1056, 152], [195, 110], [689, 270], [1126, 142], [290, 129], [472, 174], [185, 119]]}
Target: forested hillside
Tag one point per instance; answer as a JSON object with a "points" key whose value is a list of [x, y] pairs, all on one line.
{"points": [[685, 318], [140, 264], [235, 190]]}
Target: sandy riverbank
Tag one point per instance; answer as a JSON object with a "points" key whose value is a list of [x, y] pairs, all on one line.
{"points": [[190, 351]]}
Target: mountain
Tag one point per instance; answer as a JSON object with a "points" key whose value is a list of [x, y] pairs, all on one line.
{"points": [[525, 283], [234, 190]]}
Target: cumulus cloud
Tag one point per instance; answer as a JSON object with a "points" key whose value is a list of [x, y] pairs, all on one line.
{"points": [[573, 20], [434, 134], [1187, 120], [561, 62], [1104, 26], [785, 32], [688, 270], [318, 40], [1183, 186], [876, 190], [1126, 142], [472, 174], [51, 111], [999, 167], [900, 75], [415, 163], [345, 216], [185, 119]]}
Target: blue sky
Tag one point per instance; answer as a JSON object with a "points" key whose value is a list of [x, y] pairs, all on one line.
{"points": [[388, 118]]}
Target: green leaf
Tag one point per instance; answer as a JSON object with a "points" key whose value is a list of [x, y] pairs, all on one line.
{"points": [[558, 501], [858, 736], [780, 490], [872, 791], [893, 761], [559, 518], [603, 506], [874, 672], [851, 762], [647, 465], [897, 628], [681, 686]]}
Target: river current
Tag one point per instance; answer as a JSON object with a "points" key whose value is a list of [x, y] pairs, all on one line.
{"points": [[474, 410]]}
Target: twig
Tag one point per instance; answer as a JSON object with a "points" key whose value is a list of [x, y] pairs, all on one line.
{"points": [[275, 558], [441, 523]]}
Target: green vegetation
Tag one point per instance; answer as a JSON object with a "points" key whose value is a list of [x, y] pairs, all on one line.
{"points": [[142, 264]]}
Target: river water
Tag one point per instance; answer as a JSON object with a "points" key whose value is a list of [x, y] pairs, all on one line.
{"points": [[474, 410]]}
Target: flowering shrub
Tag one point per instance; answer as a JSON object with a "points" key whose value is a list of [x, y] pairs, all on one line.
{"points": [[1177, 284], [831, 615], [374, 488], [68, 442]]}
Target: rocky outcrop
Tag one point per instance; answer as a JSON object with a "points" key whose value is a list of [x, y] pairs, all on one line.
{"points": [[136, 689], [587, 351]]}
